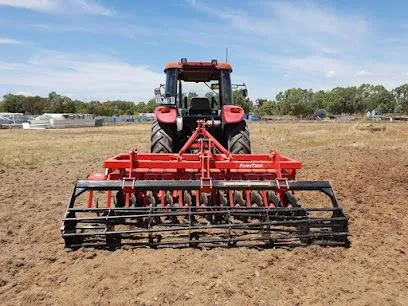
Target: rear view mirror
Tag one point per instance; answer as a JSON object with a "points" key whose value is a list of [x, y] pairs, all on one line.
{"points": [[157, 92], [243, 91], [215, 86]]}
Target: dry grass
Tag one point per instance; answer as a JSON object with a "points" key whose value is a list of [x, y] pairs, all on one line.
{"points": [[305, 135], [34, 148]]}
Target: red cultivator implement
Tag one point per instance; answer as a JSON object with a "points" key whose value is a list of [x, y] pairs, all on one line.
{"points": [[202, 195]]}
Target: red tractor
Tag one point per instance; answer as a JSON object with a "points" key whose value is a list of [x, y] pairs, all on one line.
{"points": [[200, 184], [177, 116]]}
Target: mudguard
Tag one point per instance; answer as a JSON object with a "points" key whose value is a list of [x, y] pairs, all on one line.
{"points": [[232, 114], [166, 114]]}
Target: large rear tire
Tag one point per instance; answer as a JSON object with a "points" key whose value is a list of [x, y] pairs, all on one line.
{"points": [[238, 138], [161, 138]]}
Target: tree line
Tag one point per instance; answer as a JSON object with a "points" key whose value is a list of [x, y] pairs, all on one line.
{"points": [[340, 100], [295, 101], [55, 103]]}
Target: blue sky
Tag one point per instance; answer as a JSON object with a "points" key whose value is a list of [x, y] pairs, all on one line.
{"points": [[100, 49]]}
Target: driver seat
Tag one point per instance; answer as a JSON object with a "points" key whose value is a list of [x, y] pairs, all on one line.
{"points": [[200, 105]]}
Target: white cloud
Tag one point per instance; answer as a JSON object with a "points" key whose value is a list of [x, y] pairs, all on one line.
{"points": [[91, 7], [38, 5], [288, 23], [309, 17], [312, 64], [364, 73], [24, 93], [115, 28], [330, 74], [85, 77], [60, 6], [322, 48], [8, 41]]}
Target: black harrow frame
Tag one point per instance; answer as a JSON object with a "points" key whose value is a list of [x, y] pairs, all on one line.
{"points": [[195, 225]]}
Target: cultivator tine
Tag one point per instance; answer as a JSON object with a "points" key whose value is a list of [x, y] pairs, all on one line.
{"points": [[205, 223]]}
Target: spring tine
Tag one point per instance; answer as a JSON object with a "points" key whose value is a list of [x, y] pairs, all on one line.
{"points": [[264, 198], [108, 198], [197, 197], [127, 198], [248, 197], [90, 198], [231, 198], [180, 198], [162, 197]]}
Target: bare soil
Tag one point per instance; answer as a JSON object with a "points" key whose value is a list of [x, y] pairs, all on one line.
{"points": [[368, 167]]}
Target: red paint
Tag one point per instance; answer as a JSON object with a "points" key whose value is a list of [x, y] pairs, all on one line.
{"points": [[97, 177], [232, 114], [90, 198], [94, 177], [179, 65], [166, 114]]}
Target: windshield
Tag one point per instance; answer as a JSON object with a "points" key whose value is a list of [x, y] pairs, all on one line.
{"points": [[216, 86], [209, 90]]}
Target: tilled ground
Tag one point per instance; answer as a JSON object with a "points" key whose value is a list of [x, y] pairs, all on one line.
{"points": [[368, 167]]}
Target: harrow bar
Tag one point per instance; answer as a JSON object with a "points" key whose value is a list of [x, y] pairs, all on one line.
{"points": [[194, 185]]}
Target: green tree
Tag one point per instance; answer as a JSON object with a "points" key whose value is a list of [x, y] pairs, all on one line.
{"points": [[94, 107], [34, 105], [267, 108], [140, 107], [375, 98], [240, 100], [295, 101], [13, 103], [191, 94], [400, 95], [343, 100], [319, 100], [210, 95], [260, 102], [80, 107], [151, 106]]}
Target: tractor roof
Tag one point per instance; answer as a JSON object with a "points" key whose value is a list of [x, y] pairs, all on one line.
{"points": [[185, 64]]}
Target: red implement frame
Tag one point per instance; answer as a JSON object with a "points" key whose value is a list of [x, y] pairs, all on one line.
{"points": [[202, 158]]}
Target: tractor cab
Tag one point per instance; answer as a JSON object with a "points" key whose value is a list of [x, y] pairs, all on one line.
{"points": [[197, 88]]}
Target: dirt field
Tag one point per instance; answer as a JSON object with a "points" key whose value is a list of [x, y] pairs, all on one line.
{"points": [[368, 167]]}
